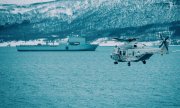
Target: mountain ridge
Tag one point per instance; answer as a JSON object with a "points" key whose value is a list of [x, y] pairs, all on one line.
{"points": [[90, 18]]}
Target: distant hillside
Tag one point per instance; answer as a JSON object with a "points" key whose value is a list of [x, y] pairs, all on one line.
{"points": [[91, 18]]}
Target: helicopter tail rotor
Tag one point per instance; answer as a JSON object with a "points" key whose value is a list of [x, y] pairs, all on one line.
{"points": [[164, 44]]}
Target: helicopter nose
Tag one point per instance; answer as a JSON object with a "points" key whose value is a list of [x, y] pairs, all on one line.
{"points": [[111, 56]]}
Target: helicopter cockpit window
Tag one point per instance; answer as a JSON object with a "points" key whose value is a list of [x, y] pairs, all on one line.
{"points": [[120, 52], [124, 52]]}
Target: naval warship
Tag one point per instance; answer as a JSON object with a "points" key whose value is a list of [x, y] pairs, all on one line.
{"points": [[72, 44]]}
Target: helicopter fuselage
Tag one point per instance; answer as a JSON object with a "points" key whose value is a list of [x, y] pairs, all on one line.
{"points": [[134, 54]]}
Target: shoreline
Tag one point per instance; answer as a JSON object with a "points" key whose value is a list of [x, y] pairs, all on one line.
{"points": [[98, 46]]}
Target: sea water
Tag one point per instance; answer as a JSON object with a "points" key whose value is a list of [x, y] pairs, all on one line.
{"points": [[87, 80]]}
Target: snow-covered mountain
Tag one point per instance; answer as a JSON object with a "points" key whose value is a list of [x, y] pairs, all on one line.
{"points": [[91, 18]]}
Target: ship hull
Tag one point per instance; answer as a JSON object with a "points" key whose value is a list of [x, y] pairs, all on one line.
{"points": [[86, 47]]}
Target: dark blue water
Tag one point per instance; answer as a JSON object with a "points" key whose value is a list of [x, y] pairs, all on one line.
{"points": [[87, 80]]}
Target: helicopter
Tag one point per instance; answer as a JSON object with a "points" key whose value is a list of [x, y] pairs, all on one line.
{"points": [[133, 51]]}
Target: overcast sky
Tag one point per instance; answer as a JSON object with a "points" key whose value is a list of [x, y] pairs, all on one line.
{"points": [[20, 2]]}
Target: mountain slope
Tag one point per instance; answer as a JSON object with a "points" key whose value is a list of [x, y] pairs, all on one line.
{"points": [[91, 18]]}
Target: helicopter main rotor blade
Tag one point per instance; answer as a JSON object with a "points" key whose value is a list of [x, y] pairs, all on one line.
{"points": [[166, 45], [125, 40], [161, 44], [166, 38], [161, 36], [118, 39]]}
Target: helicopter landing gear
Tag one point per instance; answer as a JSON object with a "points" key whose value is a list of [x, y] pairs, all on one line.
{"points": [[115, 62], [144, 62], [129, 64]]}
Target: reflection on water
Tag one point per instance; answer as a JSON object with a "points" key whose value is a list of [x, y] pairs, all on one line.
{"points": [[87, 79]]}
